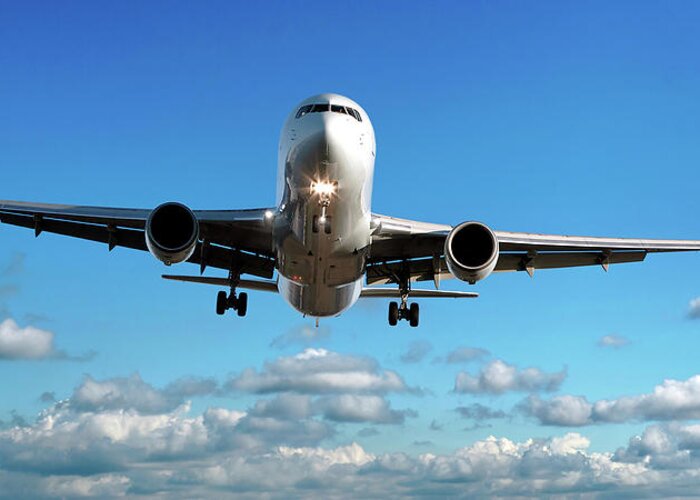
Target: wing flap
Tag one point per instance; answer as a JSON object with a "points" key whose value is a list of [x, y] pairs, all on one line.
{"points": [[394, 293], [264, 286], [559, 260]]}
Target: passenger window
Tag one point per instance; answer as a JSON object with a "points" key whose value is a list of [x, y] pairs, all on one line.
{"points": [[338, 109], [303, 110]]}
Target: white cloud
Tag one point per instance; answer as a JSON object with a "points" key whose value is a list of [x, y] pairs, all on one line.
{"points": [[133, 393], [614, 341], [498, 377], [694, 308], [24, 343], [318, 371], [670, 400], [360, 408], [224, 452], [563, 410]]}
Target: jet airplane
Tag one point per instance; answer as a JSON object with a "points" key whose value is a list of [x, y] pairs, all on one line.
{"points": [[321, 247]]}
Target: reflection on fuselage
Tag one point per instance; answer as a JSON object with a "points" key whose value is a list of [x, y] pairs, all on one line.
{"points": [[322, 236]]}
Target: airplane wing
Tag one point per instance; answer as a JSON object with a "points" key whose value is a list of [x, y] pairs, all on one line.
{"points": [[227, 236], [402, 245]]}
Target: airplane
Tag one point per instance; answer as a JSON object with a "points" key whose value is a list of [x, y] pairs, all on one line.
{"points": [[321, 247]]}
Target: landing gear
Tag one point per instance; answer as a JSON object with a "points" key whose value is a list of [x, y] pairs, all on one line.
{"points": [[242, 306], [396, 313], [221, 303], [404, 311], [237, 302], [393, 313], [413, 315]]}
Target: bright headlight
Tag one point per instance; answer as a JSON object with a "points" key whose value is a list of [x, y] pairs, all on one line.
{"points": [[323, 188]]}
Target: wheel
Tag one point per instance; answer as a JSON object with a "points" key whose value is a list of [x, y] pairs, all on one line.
{"points": [[221, 303], [393, 313], [413, 315], [242, 306]]}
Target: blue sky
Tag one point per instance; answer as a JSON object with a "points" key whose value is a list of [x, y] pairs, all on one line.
{"points": [[554, 117]]}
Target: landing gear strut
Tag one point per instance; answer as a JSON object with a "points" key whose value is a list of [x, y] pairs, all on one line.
{"points": [[237, 302], [404, 311]]}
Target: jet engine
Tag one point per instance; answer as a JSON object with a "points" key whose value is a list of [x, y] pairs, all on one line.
{"points": [[471, 251], [172, 232]]}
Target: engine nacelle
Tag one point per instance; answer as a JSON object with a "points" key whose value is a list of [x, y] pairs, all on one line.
{"points": [[172, 231], [471, 251]]}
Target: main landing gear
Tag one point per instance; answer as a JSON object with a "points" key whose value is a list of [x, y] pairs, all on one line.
{"points": [[404, 311], [237, 302]]}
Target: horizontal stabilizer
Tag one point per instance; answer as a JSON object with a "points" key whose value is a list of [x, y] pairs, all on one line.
{"points": [[261, 285], [394, 293]]}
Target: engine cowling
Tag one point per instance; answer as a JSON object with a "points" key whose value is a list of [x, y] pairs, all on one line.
{"points": [[172, 231], [471, 251]]}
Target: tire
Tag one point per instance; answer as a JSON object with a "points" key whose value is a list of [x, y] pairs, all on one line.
{"points": [[221, 303], [414, 315], [393, 313], [242, 306]]}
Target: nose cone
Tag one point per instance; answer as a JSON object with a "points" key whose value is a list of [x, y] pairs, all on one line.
{"points": [[330, 142]]}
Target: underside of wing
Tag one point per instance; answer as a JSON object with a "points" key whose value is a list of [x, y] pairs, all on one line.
{"points": [[403, 248], [260, 285], [227, 239], [393, 293]]}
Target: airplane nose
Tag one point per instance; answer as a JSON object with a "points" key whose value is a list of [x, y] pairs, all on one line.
{"points": [[329, 144]]}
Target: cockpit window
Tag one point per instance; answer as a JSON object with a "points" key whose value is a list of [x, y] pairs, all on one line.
{"points": [[303, 110], [318, 108], [354, 113], [335, 108], [338, 109]]}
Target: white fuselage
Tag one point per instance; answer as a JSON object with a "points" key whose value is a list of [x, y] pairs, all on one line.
{"points": [[322, 251]]}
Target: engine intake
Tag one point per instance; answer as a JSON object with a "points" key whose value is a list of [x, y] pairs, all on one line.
{"points": [[172, 231], [471, 251]]}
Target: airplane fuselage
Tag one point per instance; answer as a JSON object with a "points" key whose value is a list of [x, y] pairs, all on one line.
{"points": [[324, 188]]}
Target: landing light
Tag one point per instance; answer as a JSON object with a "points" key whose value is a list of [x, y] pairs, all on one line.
{"points": [[268, 214], [323, 188]]}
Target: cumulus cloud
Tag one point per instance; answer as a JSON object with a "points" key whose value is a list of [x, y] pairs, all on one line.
{"points": [[24, 343], [614, 341], [31, 343], [670, 400], [276, 450], [694, 308], [132, 393], [318, 371], [564, 410], [361, 408], [479, 412], [416, 352], [498, 377]]}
